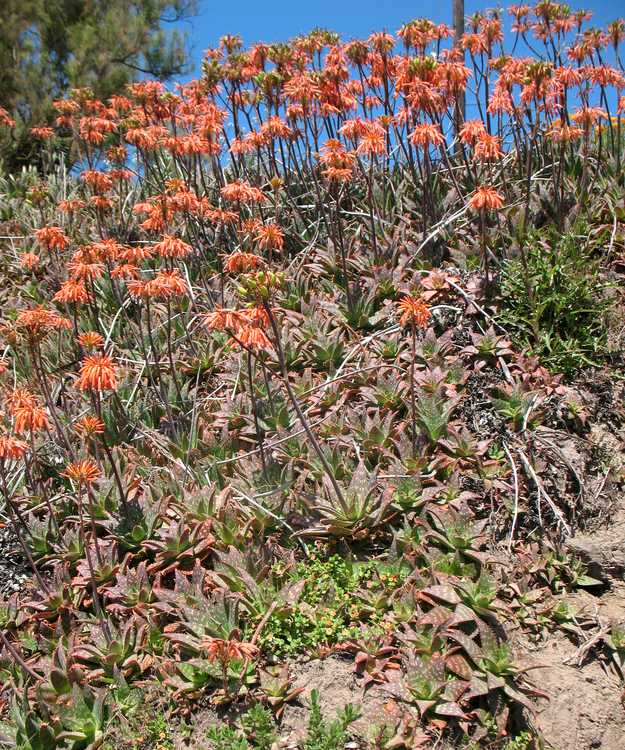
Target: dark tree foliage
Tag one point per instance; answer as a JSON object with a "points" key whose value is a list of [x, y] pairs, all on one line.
{"points": [[48, 47]]}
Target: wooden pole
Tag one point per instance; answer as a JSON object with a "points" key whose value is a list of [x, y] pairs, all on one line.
{"points": [[460, 107]]}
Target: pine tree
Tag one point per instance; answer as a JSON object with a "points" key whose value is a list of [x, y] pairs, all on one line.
{"points": [[48, 47]]}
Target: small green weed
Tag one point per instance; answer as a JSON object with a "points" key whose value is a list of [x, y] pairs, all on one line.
{"points": [[557, 304], [323, 735], [259, 727], [327, 611], [224, 737], [258, 731], [523, 741]]}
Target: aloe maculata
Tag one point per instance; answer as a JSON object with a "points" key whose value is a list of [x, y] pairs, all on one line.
{"points": [[263, 391]]}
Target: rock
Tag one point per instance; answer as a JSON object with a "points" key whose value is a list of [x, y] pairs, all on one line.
{"points": [[14, 571], [603, 552]]}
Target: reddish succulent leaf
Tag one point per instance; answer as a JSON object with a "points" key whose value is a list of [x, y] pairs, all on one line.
{"points": [[443, 592], [520, 698], [478, 688], [437, 616], [450, 709], [468, 644], [494, 682], [459, 666]]}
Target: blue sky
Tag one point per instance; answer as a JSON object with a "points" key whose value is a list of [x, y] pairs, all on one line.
{"points": [[279, 20]]}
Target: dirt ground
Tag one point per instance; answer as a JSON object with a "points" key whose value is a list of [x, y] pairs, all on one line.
{"points": [[586, 706], [585, 709]]}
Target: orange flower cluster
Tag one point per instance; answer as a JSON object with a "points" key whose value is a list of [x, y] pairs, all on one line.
{"points": [[73, 291], [172, 247], [88, 427], [11, 449], [486, 199], [242, 192], [414, 312], [165, 285], [98, 181], [43, 132], [245, 325], [426, 135], [337, 161], [52, 238], [38, 322], [29, 416], [373, 140], [5, 119], [243, 262], [82, 472], [270, 237], [224, 651], [91, 340], [97, 373], [30, 261], [487, 148]]}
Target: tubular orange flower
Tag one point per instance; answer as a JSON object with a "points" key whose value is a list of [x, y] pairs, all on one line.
{"points": [[125, 271], [487, 148], [277, 128], [19, 398], [352, 129], [271, 237], [373, 141], [122, 175], [139, 289], [91, 340], [243, 192], [73, 291], [172, 247], [338, 163], [221, 319], [414, 311], [30, 418], [11, 448], [82, 472], [40, 321], [44, 132], [251, 226], [426, 135], [84, 270], [95, 129], [101, 202], [136, 254], [486, 198], [252, 336], [145, 138], [52, 238], [117, 154], [71, 206], [588, 116], [98, 181], [97, 373], [564, 133], [168, 284], [338, 174], [242, 262], [5, 119], [30, 261], [218, 216], [224, 651], [500, 102], [89, 427], [257, 316]]}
